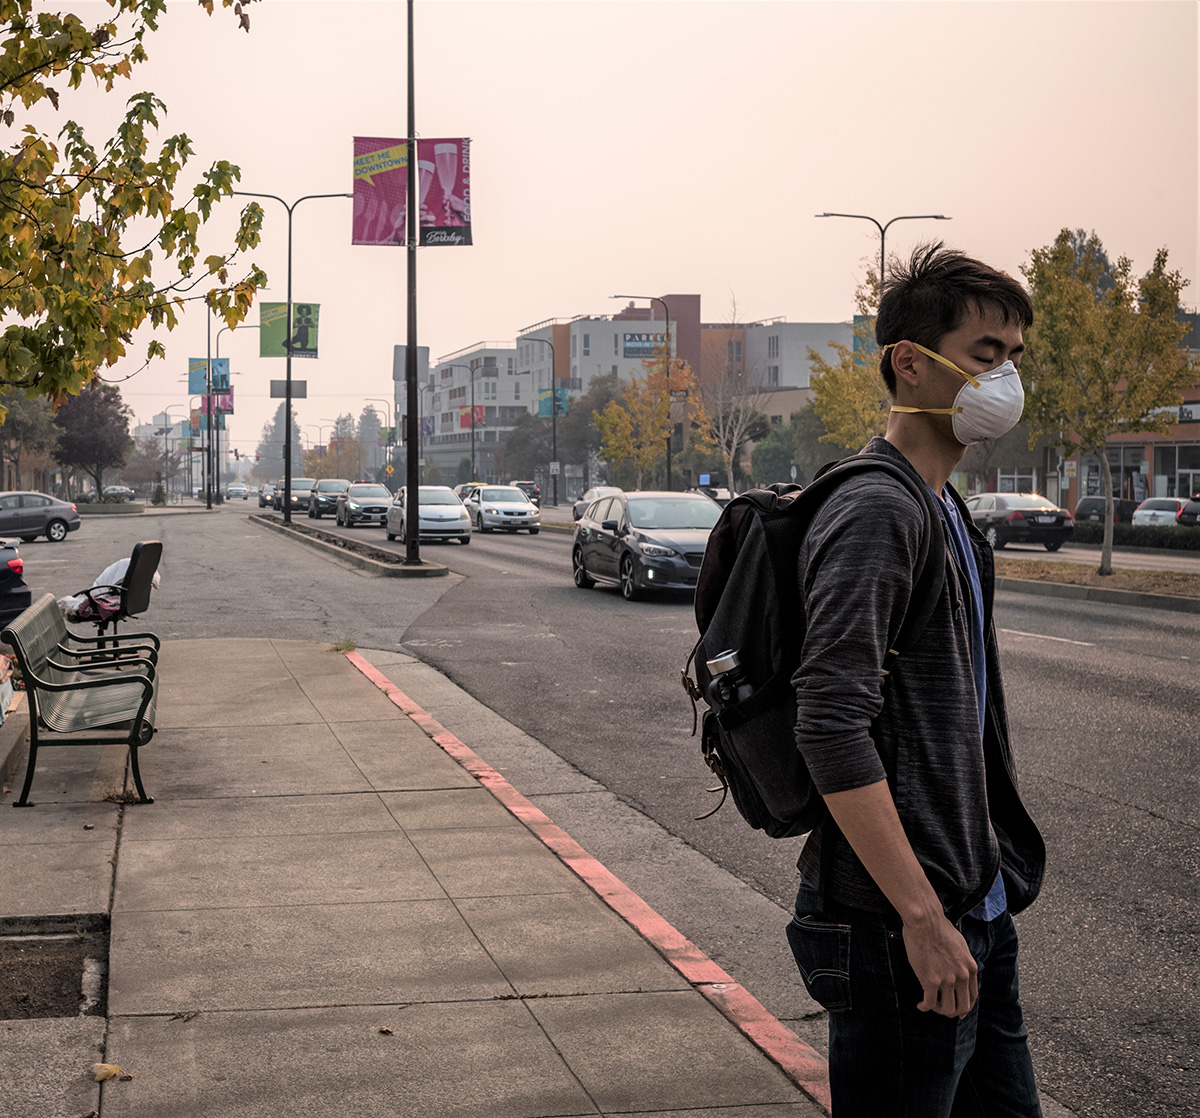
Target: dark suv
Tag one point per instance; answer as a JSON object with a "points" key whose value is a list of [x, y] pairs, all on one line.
{"points": [[323, 496], [1092, 509], [531, 489], [1189, 515]]}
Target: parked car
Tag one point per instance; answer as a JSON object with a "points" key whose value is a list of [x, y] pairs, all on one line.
{"points": [[237, 491], [15, 596], [531, 489], [714, 493], [323, 496], [1092, 509], [642, 541], [30, 515], [1160, 510], [442, 515], [1006, 518], [1189, 515], [118, 493], [363, 504], [591, 495], [461, 490], [504, 508], [298, 497], [266, 495]]}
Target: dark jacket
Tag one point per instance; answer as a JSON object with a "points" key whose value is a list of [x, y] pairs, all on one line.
{"points": [[918, 727]]}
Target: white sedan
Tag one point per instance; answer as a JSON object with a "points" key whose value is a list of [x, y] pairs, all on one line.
{"points": [[442, 515], [504, 508], [1159, 510]]}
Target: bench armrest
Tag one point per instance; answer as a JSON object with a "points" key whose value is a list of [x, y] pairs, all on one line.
{"points": [[110, 655], [116, 640], [146, 665]]}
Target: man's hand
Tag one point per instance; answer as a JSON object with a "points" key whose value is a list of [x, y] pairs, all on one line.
{"points": [[944, 965]]}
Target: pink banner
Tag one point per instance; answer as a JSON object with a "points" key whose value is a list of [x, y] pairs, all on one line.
{"points": [[380, 190], [464, 416], [444, 190]]}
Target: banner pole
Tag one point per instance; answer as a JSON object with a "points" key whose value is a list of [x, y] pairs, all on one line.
{"points": [[412, 510]]}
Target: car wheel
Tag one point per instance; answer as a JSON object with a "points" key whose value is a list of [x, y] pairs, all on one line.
{"points": [[629, 586], [994, 538], [482, 526], [56, 531], [464, 539], [1053, 545], [28, 539], [582, 579], [391, 536], [534, 531]]}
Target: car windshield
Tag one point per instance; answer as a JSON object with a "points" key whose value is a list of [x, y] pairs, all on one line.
{"points": [[1027, 501], [303, 482], [673, 512], [439, 497], [368, 491], [504, 496], [331, 486]]}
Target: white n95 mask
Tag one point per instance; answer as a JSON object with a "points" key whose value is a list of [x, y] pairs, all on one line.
{"points": [[985, 407]]}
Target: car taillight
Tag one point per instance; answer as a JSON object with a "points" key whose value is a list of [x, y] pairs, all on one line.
{"points": [[74, 509], [1067, 516], [1016, 514], [17, 566], [1179, 515]]}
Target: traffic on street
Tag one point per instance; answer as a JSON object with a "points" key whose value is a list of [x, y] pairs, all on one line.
{"points": [[1103, 701]]}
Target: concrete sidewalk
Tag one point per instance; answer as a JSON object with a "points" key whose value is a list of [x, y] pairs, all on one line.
{"points": [[327, 911]]}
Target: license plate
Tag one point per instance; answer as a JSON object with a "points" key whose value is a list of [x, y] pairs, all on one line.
{"points": [[1045, 520]]}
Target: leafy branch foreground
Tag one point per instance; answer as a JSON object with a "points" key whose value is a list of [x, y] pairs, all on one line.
{"points": [[1179, 584]]}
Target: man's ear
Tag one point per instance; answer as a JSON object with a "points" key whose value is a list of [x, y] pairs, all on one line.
{"points": [[904, 356]]}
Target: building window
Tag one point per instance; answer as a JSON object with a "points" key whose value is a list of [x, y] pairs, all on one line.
{"points": [[587, 345], [614, 370], [773, 347], [733, 352], [574, 339], [510, 366], [772, 376], [776, 419], [1020, 480], [616, 343]]}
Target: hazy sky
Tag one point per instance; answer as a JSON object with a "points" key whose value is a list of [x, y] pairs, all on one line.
{"points": [[665, 146]]}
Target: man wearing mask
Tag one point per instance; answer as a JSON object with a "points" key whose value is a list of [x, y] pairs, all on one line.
{"points": [[903, 926]]}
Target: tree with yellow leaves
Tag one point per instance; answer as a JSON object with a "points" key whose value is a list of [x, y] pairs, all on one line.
{"points": [[74, 283], [850, 397]]}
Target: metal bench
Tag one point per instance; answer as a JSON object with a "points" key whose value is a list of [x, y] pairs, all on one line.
{"points": [[98, 694]]}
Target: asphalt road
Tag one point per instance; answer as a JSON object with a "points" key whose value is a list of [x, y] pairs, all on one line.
{"points": [[1104, 702]]}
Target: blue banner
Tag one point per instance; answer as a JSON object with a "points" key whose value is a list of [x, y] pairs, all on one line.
{"points": [[544, 402], [197, 375]]}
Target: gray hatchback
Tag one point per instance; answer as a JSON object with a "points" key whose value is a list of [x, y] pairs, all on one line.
{"points": [[30, 515]]}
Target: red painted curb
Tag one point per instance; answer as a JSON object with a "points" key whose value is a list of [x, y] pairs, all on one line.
{"points": [[803, 1065]]}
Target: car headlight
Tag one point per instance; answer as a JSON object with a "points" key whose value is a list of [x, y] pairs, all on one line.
{"points": [[492, 512], [464, 515], [656, 550], [354, 506]]}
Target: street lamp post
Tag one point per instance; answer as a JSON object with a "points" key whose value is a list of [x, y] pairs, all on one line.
{"points": [[287, 411], [217, 434], [553, 423], [667, 312], [884, 228]]}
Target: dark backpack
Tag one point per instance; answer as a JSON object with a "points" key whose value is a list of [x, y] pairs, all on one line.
{"points": [[748, 600]]}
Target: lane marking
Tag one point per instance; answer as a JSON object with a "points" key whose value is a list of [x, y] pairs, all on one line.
{"points": [[1043, 637], [803, 1065]]}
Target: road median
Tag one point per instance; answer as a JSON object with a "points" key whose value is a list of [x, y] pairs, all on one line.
{"points": [[376, 560]]}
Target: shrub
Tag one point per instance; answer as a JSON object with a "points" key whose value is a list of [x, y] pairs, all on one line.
{"points": [[1141, 535]]}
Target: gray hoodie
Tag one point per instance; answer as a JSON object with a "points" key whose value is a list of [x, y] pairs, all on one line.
{"points": [[918, 727]]}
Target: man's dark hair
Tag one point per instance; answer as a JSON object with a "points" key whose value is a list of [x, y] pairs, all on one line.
{"points": [[931, 295]]}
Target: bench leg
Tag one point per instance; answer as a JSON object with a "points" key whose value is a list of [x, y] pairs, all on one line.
{"points": [[23, 800], [137, 774]]}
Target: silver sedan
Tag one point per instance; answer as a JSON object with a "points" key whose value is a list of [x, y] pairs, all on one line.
{"points": [[503, 508]]}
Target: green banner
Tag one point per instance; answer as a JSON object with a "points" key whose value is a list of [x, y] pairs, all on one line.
{"points": [[272, 334]]}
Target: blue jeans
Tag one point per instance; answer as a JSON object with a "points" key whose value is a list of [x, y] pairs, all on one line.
{"points": [[887, 1059]]}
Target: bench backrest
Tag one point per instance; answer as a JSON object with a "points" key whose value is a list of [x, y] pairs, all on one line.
{"points": [[34, 635]]}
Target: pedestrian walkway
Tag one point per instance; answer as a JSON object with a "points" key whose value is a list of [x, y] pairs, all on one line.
{"points": [[328, 911]]}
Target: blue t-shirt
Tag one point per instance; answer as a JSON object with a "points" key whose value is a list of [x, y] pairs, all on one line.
{"points": [[995, 902]]}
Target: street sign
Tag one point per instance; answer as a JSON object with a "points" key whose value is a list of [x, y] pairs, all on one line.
{"points": [[279, 390], [389, 471], [553, 468], [679, 393]]}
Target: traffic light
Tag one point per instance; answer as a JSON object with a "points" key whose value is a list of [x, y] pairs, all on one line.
{"points": [[236, 456], [256, 456]]}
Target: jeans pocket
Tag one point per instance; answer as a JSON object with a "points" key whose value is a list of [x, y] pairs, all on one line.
{"points": [[822, 952]]}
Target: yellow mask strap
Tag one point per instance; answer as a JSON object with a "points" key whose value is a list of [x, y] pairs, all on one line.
{"points": [[927, 411], [949, 364]]}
